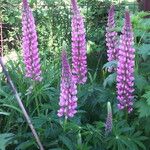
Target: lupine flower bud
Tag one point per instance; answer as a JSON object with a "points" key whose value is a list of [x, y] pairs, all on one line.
{"points": [[79, 58], [30, 44], [111, 37], [108, 124], [125, 69], [68, 98]]}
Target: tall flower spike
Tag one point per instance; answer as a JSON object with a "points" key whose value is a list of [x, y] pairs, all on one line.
{"points": [[79, 58], [125, 69], [68, 98], [111, 37], [1, 40], [30, 44], [108, 124]]}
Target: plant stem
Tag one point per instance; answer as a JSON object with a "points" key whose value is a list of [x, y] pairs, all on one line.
{"points": [[37, 106], [21, 105], [126, 113], [65, 123]]}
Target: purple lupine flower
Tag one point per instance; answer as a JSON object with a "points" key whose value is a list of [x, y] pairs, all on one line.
{"points": [[30, 44], [108, 124], [1, 39], [125, 69], [111, 37], [68, 98], [79, 58]]}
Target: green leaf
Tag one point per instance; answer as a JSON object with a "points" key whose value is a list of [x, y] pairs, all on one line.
{"points": [[25, 145], [12, 107], [4, 113], [147, 97], [140, 82], [143, 108], [110, 64], [5, 140], [144, 50], [110, 80], [67, 142]]}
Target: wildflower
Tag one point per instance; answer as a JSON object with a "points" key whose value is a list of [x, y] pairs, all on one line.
{"points": [[108, 124], [68, 98], [111, 37], [79, 58], [125, 69], [30, 44], [1, 40]]}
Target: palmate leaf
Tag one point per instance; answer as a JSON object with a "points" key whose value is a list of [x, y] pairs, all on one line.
{"points": [[130, 140], [146, 124], [144, 50], [25, 145], [110, 80], [125, 137], [144, 105], [147, 97], [140, 82], [110, 64], [67, 142], [143, 108], [5, 140]]}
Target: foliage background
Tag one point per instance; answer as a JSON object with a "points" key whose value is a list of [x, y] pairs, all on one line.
{"points": [[86, 130]]}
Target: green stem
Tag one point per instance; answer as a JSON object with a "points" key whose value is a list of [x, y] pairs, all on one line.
{"points": [[36, 99], [126, 113], [65, 123], [37, 106]]}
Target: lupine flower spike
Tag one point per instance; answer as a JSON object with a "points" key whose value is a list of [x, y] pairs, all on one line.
{"points": [[79, 57], [125, 69], [109, 123], [30, 44], [1, 39], [68, 98], [111, 37]]}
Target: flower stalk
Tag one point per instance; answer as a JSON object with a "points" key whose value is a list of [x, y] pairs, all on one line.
{"points": [[1, 36], [68, 98], [79, 56], [30, 44], [111, 38], [125, 69], [108, 124]]}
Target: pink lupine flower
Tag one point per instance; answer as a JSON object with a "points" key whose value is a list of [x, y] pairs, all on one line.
{"points": [[111, 37], [30, 44], [125, 69], [108, 124], [79, 58], [68, 98], [1, 40]]}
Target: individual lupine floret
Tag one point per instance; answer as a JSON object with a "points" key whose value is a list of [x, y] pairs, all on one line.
{"points": [[109, 123], [125, 69], [79, 56], [30, 44], [68, 94], [111, 37]]}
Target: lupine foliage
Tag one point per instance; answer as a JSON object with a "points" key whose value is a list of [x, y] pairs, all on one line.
{"points": [[86, 130]]}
